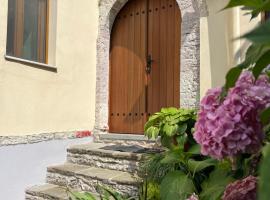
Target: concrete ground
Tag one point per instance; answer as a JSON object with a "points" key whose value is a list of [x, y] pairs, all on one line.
{"points": [[22, 166]]}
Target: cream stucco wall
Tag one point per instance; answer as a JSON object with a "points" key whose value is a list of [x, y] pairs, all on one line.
{"points": [[219, 51], [36, 101]]}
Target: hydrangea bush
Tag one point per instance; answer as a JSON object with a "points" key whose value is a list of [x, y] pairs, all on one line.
{"points": [[230, 127], [230, 136], [245, 189]]}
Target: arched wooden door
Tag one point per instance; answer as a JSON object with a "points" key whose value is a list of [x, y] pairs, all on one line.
{"points": [[144, 63]]}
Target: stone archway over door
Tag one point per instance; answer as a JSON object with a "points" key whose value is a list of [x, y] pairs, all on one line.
{"points": [[144, 63], [190, 55]]}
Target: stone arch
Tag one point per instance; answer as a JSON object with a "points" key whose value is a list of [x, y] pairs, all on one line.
{"points": [[190, 55]]}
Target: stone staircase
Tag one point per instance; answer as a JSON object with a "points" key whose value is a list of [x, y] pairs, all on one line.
{"points": [[89, 165]]}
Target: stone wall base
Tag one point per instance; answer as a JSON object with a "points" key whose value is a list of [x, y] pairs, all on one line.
{"points": [[30, 139]]}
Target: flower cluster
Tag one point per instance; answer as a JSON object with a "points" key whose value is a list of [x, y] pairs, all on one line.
{"points": [[232, 126], [242, 190]]}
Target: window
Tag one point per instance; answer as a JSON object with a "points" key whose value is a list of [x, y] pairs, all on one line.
{"points": [[27, 34]]}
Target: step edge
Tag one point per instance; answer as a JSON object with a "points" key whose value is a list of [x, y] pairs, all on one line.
{"points": [[55, 170], [106, 153], [44, 193]]}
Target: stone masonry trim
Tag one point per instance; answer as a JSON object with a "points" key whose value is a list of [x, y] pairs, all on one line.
{"points": [[30, 139], [191, 11]]}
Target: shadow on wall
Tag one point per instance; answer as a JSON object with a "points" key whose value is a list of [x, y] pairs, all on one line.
{"points": [[220, 32]]}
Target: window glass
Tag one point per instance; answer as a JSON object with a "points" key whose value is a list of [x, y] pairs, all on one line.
{"points": [[27, 29]]}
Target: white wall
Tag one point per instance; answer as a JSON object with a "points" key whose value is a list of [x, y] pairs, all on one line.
{"points": [[25, 165]]}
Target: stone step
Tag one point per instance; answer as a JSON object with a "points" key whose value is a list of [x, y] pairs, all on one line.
{"points": [[85, 178], [46, 192], [115, 157], [124, 139]]}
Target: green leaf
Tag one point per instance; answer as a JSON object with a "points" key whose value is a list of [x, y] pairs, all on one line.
{"points": [[182, 128], [253, 54], [264, 184], [263, 7], [82, 196], [195, 149], [260, 35], [247, 3], [214, 186], [170, 110], [153, 120], [265, 116], [232, 76], [111, 195], [173, 156], [171, 130], [167, 141], [176, 186], [181, 140], [152, 132], [261, 64], [196, 166]]}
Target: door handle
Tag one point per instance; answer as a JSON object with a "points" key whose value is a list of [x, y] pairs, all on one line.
{"points": [[149, 64]]}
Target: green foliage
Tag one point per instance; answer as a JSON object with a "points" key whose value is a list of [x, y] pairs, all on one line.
{"points": [[81, 196], [253, 7], [232, 76], [150, 191], [265, 116], [264, 192], [104, 194], [195, 166], [176, 185], [153, 169], [171, 124], [260, 35], [258, 54], [261, 64], [214, 186]]}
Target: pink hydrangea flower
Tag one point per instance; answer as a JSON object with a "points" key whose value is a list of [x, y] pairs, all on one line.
{"points": [[193, 197], [245, 189], [231, 127]]}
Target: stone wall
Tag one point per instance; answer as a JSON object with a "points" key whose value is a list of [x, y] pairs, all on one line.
{"points": [[30, 139], [191, 11]]}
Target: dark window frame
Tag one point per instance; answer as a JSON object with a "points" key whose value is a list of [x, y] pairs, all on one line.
{"points": [[16, 31]]}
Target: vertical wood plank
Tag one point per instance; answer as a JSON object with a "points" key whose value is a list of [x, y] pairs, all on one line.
{"points": [[163, 54], [177, 54], [156, 56], [136, 63], [170, 47], [143, 65], [150, 41], [130, 69]]}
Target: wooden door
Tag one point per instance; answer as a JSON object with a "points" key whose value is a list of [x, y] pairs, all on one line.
{"points": [[144, 63]]}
